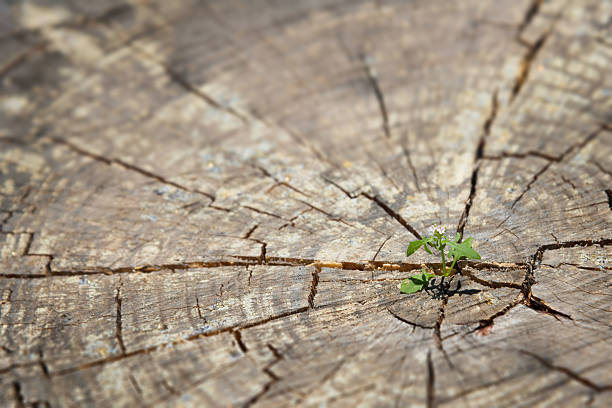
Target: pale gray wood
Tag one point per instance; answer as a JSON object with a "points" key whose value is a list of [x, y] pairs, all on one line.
{"points": [[208, 203]]}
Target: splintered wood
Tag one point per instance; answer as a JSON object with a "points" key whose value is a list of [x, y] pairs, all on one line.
{"points": [[208, 203]]}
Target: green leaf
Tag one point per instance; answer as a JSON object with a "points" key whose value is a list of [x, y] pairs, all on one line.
{"points": [[416, 283], [415, 245], [409, 286], [457, 237], [417, 279], [424, 276], [463, 250], [427, 276]]}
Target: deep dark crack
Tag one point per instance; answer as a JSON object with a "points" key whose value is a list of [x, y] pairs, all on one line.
{"points": [[477, 159], [525, 67], [327, 214], [250, 231], [241, 345], [378, 201], [536, 303], [531, 12], [431, 381], [135, 384], [485, 325], [21, 58], [381, 247], [539, 305], [527, 155], [277, 182], [575, 147], [313, 286], [244, 260], [43, 365], [128, 166], [490, 284], [273, 378], [401, 319], [118, 320], [406, 153], [536, 259], [392, 213], [602, 169], [19, 399], [264, 212], [438, 325], [572, 374], [151, 349], [373, 81]]}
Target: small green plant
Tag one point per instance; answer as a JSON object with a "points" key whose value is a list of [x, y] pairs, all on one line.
{"points": [[438, 241]]}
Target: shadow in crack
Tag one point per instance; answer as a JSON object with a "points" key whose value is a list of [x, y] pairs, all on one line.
{"points": [[442, 289]]}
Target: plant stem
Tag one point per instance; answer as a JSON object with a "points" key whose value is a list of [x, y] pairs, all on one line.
{"points": [[443, 262], [452, 265]]}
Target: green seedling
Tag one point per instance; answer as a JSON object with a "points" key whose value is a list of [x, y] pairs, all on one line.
{"points": [[439, 242]]}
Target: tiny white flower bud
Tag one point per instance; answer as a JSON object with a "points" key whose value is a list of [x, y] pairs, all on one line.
{"points": [[437, 228]]}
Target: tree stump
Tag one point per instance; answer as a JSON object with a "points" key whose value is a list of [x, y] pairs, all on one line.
{"points": [[208, 203]]}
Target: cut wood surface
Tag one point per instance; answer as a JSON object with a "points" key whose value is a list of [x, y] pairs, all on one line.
{"points": [[208, 203]]}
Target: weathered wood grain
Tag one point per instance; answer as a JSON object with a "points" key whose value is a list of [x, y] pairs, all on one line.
{"points": [[208, 203]]}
